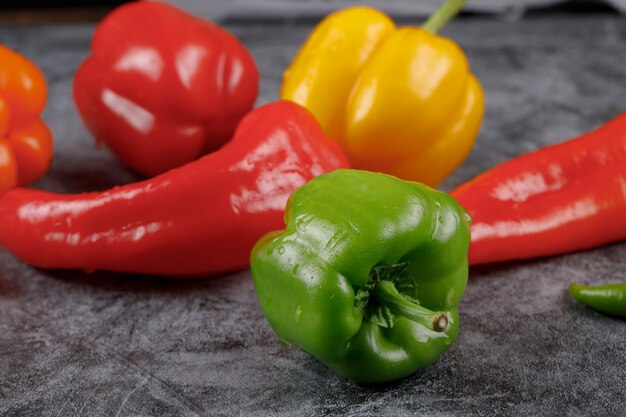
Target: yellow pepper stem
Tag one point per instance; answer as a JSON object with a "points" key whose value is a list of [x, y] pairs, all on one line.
{"points": [[442, 15]]}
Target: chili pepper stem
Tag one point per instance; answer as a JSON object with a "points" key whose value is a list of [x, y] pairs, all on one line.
{"points": [[442, 15], [387, 294]]}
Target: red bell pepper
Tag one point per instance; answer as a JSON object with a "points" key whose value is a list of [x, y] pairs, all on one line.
{"points": [[559, 199], [202, 218], [163, 87]]}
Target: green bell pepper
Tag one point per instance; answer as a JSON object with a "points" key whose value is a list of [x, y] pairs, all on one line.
{"points": [[367, 275]]}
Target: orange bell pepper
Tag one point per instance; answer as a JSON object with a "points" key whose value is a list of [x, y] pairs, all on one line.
{"points": [[25, 140], [398, 100]]}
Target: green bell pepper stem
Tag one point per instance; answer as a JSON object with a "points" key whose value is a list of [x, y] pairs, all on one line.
{"points": [[387, 294], [442, 15]]}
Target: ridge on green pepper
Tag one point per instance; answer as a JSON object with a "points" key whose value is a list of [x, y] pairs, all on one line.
{"points": [[367, 275]]}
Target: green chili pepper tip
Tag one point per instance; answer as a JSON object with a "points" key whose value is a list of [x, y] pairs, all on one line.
{"points": [[608, 299]]}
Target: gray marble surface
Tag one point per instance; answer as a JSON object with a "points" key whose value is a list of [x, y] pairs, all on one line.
{"points": [[122, 345]]}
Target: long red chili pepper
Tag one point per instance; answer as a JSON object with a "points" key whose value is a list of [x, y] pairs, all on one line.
{"points": [[559, 199], [202, 218]]}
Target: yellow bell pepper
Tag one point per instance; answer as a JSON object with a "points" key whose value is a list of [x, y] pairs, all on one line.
{"points": [[398, 100]]}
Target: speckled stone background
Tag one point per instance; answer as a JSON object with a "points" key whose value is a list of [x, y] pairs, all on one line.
{"points": [[123, 345]]}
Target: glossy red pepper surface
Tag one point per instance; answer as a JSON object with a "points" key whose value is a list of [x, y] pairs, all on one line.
{"points": [[163, 87], [200, 219], [561, 198]]}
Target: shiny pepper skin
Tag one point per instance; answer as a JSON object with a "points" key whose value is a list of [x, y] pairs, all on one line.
{"points": [[608, 299], [25, 139], [362, 273], [200, 219], [162, 87], [399, 100], [561, 198]]}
